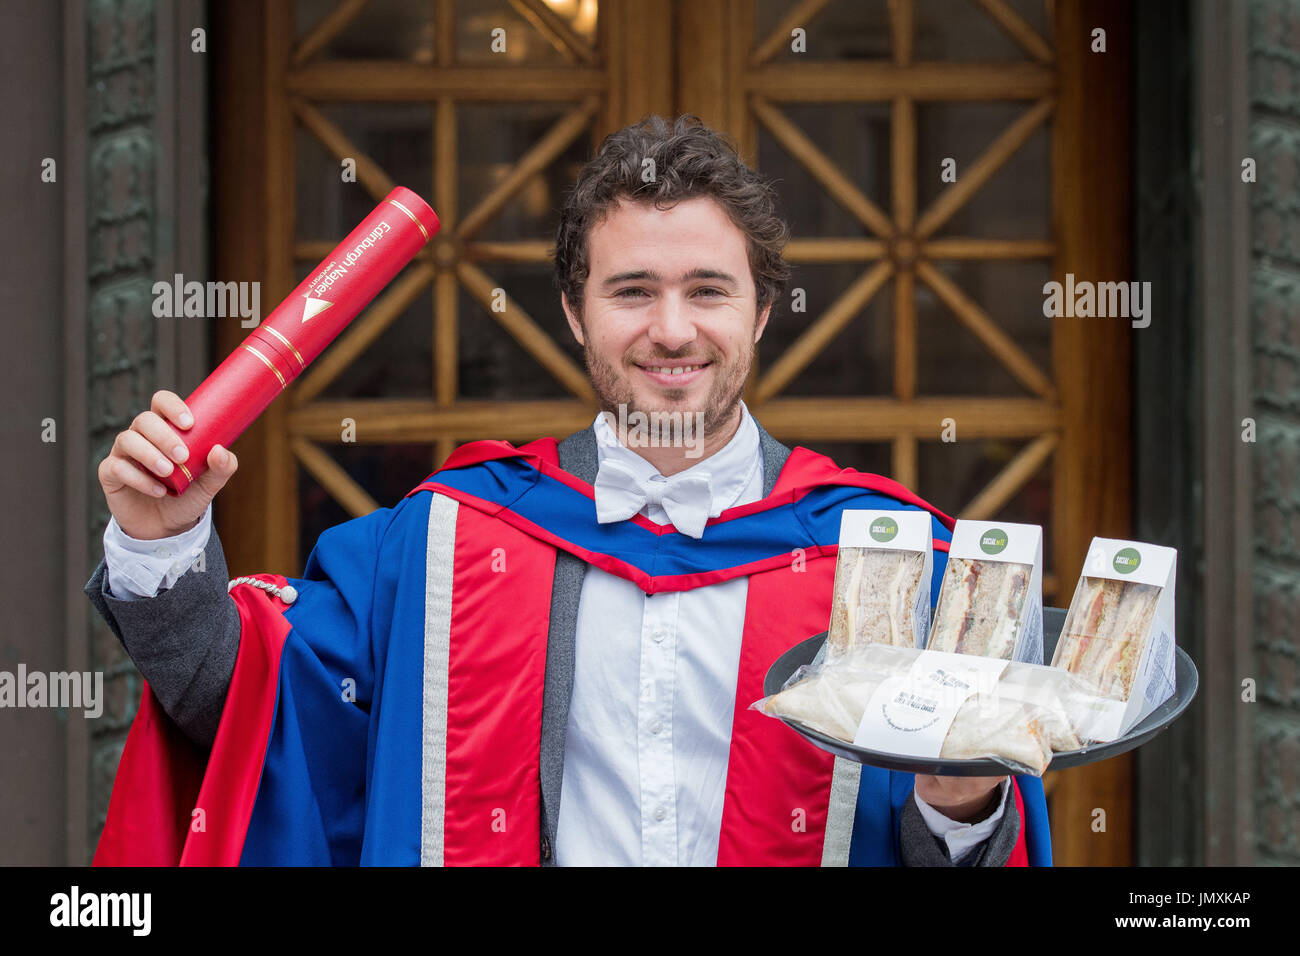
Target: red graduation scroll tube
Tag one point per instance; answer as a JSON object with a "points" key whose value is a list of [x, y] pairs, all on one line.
{"points": [[241, 387]]}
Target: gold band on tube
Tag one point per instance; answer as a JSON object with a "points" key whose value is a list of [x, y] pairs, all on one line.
{"points": [[424, 232], [288, 343], [267, 363]]}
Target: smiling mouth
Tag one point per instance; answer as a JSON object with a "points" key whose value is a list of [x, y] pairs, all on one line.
{"points": [[675, 376], [673, 369]]}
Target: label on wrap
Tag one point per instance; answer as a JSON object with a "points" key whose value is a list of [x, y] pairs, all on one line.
{"points": [[911, 713]]}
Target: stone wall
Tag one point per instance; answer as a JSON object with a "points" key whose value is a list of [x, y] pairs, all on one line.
{"points": [[1275, 327], [122, 348]]}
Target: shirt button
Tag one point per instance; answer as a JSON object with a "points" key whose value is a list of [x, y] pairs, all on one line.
{"points": [[658, 636], [657, 726], [660, 814]]}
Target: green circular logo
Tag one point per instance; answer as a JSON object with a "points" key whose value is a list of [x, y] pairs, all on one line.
{"points": [[993, 541], [1127, 560], [884, 529]]}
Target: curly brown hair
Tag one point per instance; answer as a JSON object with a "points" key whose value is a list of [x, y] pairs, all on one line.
{"points": [[690, 160]]}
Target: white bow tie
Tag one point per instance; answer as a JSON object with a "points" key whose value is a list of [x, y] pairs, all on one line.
{"points": [[620, 494]]}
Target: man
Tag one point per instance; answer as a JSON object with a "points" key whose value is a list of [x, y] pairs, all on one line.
{"points": [[544, 654]]}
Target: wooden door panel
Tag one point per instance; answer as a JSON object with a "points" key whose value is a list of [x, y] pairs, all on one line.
{"points": [[856, 127], [922, 297], [488, 109]]}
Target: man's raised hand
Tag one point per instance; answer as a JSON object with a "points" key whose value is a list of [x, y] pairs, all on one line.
{"points": [[152, 446]]}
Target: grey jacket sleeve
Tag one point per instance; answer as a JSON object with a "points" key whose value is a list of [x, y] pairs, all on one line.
{"points": [[183, 641], [919, 847]]}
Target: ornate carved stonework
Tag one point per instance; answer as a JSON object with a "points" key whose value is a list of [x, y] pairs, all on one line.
{"points": [[122, 347]]}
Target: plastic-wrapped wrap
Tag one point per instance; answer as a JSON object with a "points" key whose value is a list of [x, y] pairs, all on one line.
{"points": [[1020, 716]]}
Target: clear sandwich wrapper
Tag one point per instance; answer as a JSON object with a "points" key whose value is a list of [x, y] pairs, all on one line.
{"points": [[1118, 636], [875, 685], [882, 580], [991, 598], [978, 688]]}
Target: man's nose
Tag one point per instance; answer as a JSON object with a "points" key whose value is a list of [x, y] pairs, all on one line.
{"points": [[672, 326]]}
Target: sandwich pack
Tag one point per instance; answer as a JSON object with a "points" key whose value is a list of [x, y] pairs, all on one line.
{"points": [[1118, 635], [979, 688], [991, 599], [882, 581]]}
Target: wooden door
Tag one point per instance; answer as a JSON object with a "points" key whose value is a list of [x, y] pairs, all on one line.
{"points": [[917, 348], [487, 109], [940, 161]]}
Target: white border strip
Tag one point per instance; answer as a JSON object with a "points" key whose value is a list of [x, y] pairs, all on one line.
{"points": [[845, 779], [440, 550]]}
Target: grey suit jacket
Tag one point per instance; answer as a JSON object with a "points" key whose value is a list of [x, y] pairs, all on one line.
{"points": [[185, 640]]}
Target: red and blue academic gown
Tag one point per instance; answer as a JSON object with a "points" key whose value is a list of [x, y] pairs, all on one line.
{"points": [[392, 713]]}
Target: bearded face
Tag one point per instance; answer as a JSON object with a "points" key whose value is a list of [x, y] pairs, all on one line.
{"points": [[669, 321], [663, 389]]}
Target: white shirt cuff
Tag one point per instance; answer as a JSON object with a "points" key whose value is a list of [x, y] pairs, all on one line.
{"points": [[962, 837], [140, 569]]}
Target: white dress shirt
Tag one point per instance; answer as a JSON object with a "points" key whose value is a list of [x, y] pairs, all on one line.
{"points": [[140, 569], [649, 726], [654, 688]]}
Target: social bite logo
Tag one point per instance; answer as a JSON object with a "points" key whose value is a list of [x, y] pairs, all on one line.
{"points": [[883, 530], [993, 541], [1127, 560]]}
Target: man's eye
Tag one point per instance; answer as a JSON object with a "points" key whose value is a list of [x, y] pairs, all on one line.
{"points": [[716, 292], [623, 293]]}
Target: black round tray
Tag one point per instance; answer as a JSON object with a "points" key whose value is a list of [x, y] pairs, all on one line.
{"points": [[1185, 683]]}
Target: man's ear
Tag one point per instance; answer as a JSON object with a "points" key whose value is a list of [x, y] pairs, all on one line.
{"points": [[762, 322], [574, 325]]}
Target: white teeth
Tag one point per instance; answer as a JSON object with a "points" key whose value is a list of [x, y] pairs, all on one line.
{"points": [[679, 370]]}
